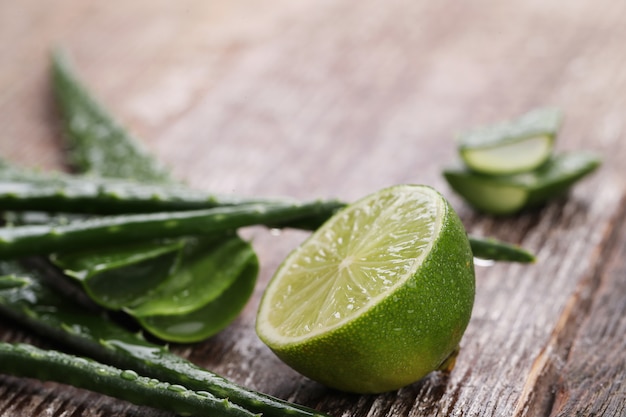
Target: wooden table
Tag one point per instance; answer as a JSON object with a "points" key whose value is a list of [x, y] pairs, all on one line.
{"points": [[338, 99]]}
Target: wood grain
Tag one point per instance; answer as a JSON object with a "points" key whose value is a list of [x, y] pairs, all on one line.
{"points": [[338, 99]]}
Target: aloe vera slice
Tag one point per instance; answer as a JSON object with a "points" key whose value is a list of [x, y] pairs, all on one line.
{"points": [[206, 270], [116, 277], [508, 194], [513, 146]]}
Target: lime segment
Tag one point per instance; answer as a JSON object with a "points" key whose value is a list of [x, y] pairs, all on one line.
{"points": [[513, 146], [376, 298]]}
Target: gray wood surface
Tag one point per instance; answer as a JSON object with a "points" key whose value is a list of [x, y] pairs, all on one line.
{"points": [[338, 99]]}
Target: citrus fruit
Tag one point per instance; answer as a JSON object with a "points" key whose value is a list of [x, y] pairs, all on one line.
{"points": [[508, 194], [378, 297], [513, 146]]}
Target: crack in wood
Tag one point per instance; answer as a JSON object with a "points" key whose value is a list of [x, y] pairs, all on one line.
{"points": [[539, 393]]}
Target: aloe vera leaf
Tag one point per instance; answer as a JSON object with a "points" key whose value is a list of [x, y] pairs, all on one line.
{"points": [[509, 194], [116, 277], [147, 170], [43, 310], [207, 269], [106, 231], [496, 250], [88, 124], [210, 318], [26, 360], [58, 192], [11, 281], [174, 284]]}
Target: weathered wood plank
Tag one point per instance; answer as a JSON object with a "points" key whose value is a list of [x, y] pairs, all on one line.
{"points": [[591, 378]]}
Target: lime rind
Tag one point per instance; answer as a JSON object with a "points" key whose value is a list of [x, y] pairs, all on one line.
{"points": [[512, 146], [339, 263]]}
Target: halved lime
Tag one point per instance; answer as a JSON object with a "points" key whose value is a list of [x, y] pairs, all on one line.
{"points": [[513, 146], [509, 194], [378, 297]]}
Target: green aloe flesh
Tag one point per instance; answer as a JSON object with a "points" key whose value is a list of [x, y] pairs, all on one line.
{"points": [[35, 305], [106, 231], [29, 361], [509, 194], [518, 145]]}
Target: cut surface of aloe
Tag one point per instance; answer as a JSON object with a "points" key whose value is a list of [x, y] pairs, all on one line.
{"points": [[508, 194], [513, 146]]}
